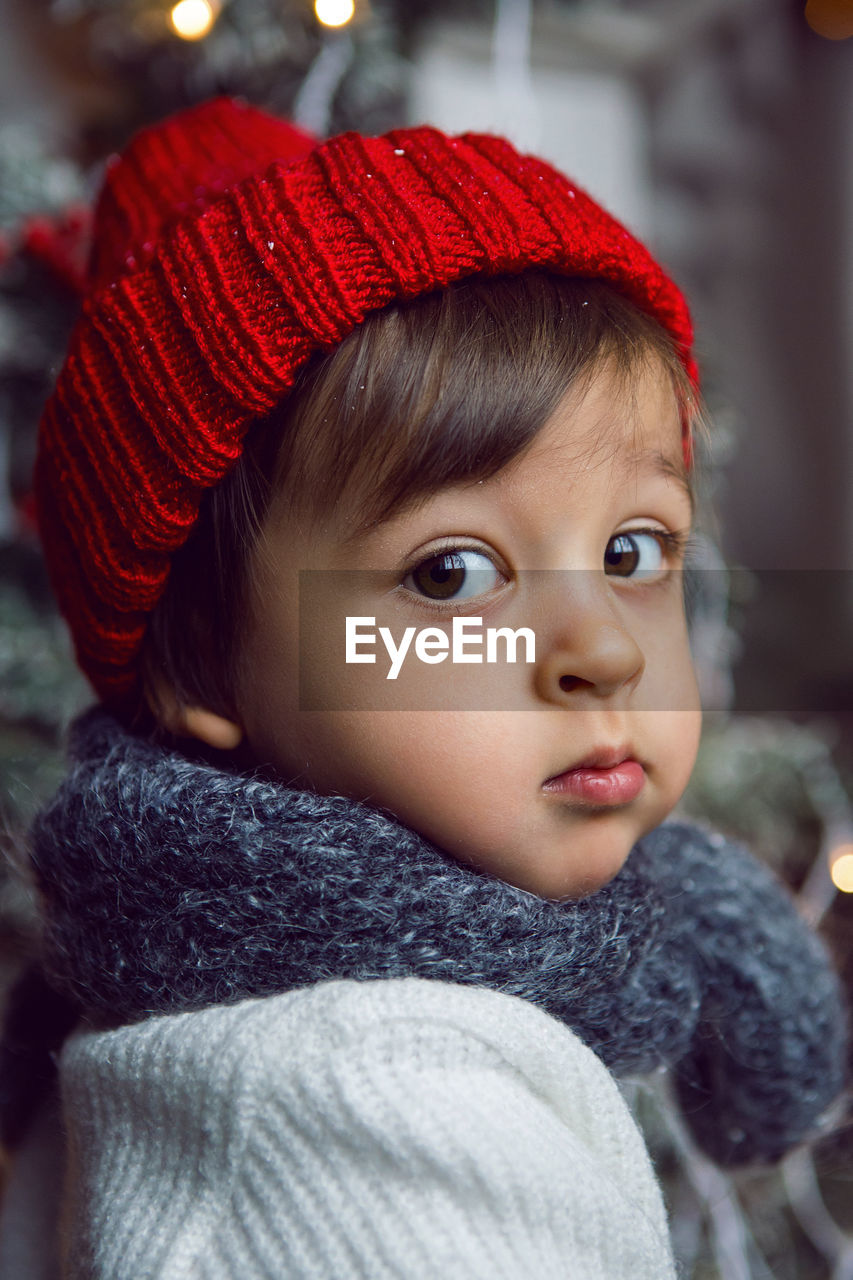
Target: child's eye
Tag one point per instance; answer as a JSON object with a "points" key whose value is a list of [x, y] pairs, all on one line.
{"points": [[637, 553], [457, 575]]}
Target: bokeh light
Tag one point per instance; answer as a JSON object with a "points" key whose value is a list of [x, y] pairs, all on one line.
{"points": [[832, 19], [334, 13], [192, 19], [841, 867]]}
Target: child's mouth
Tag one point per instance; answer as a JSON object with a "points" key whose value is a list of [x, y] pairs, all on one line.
{"points": [[604, 778]]}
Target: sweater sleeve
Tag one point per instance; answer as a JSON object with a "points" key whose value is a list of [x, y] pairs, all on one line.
{"points": [[379, 1130]]}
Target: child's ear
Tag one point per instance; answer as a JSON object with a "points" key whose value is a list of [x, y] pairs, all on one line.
{"points": [[193, 722]]}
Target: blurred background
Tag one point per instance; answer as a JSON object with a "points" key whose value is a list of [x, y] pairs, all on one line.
{"points": [[721, 131]]}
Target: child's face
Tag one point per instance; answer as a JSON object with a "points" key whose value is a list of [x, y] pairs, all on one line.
{"points": [[464, 753]]}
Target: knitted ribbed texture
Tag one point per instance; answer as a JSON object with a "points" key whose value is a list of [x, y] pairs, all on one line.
{"points": [[168, 884], [226, 252], [401, 1130]]}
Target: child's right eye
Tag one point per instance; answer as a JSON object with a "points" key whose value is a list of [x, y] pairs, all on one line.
{"points": [[459, 574]]}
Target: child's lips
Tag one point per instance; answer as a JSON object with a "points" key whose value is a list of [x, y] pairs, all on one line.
{"points": [[608, 776]]}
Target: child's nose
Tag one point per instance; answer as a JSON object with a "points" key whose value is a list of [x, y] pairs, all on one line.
{"points": [[589, 649]]}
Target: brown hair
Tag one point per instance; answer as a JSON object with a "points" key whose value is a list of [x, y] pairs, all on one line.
{"points": [[446, 388]]}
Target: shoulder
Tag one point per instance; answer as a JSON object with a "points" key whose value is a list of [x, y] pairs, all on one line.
{"points": [[333, 1018], [471, 1116], [407, 1032]]}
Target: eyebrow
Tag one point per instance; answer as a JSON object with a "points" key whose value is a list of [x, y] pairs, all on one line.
{"points": [[663, 465], [654, 460]]}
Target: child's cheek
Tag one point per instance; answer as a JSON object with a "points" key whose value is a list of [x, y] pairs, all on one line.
{"points": [[677, 733]]}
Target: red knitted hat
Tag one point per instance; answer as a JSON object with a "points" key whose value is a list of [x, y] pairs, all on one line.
{"points": [[228, 246]]}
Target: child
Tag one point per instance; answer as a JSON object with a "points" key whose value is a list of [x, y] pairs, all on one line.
{"points": [[354, 956]]}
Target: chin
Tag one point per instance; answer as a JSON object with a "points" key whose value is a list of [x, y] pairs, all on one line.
{"points": [[602, 866]]}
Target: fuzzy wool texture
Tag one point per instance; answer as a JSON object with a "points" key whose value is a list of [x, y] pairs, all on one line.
{"points": [[169, 885]]}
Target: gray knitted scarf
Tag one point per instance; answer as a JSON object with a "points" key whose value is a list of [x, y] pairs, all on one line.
{"points": [[169, 883]]}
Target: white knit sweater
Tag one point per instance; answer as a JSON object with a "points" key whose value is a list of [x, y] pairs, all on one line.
{"points": [[354, 1131]]}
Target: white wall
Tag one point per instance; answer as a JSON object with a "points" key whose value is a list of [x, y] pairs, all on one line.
{"points": [[590, 124]]}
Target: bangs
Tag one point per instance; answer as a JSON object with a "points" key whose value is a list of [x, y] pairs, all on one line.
{"points": [[448, 389]]}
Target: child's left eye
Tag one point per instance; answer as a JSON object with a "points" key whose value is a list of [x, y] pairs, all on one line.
{"points": [[635, 554], [457, 575]]}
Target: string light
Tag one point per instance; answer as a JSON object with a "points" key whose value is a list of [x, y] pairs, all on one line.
{"points": [[192, 19], [334, 13], [841, 867]]}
